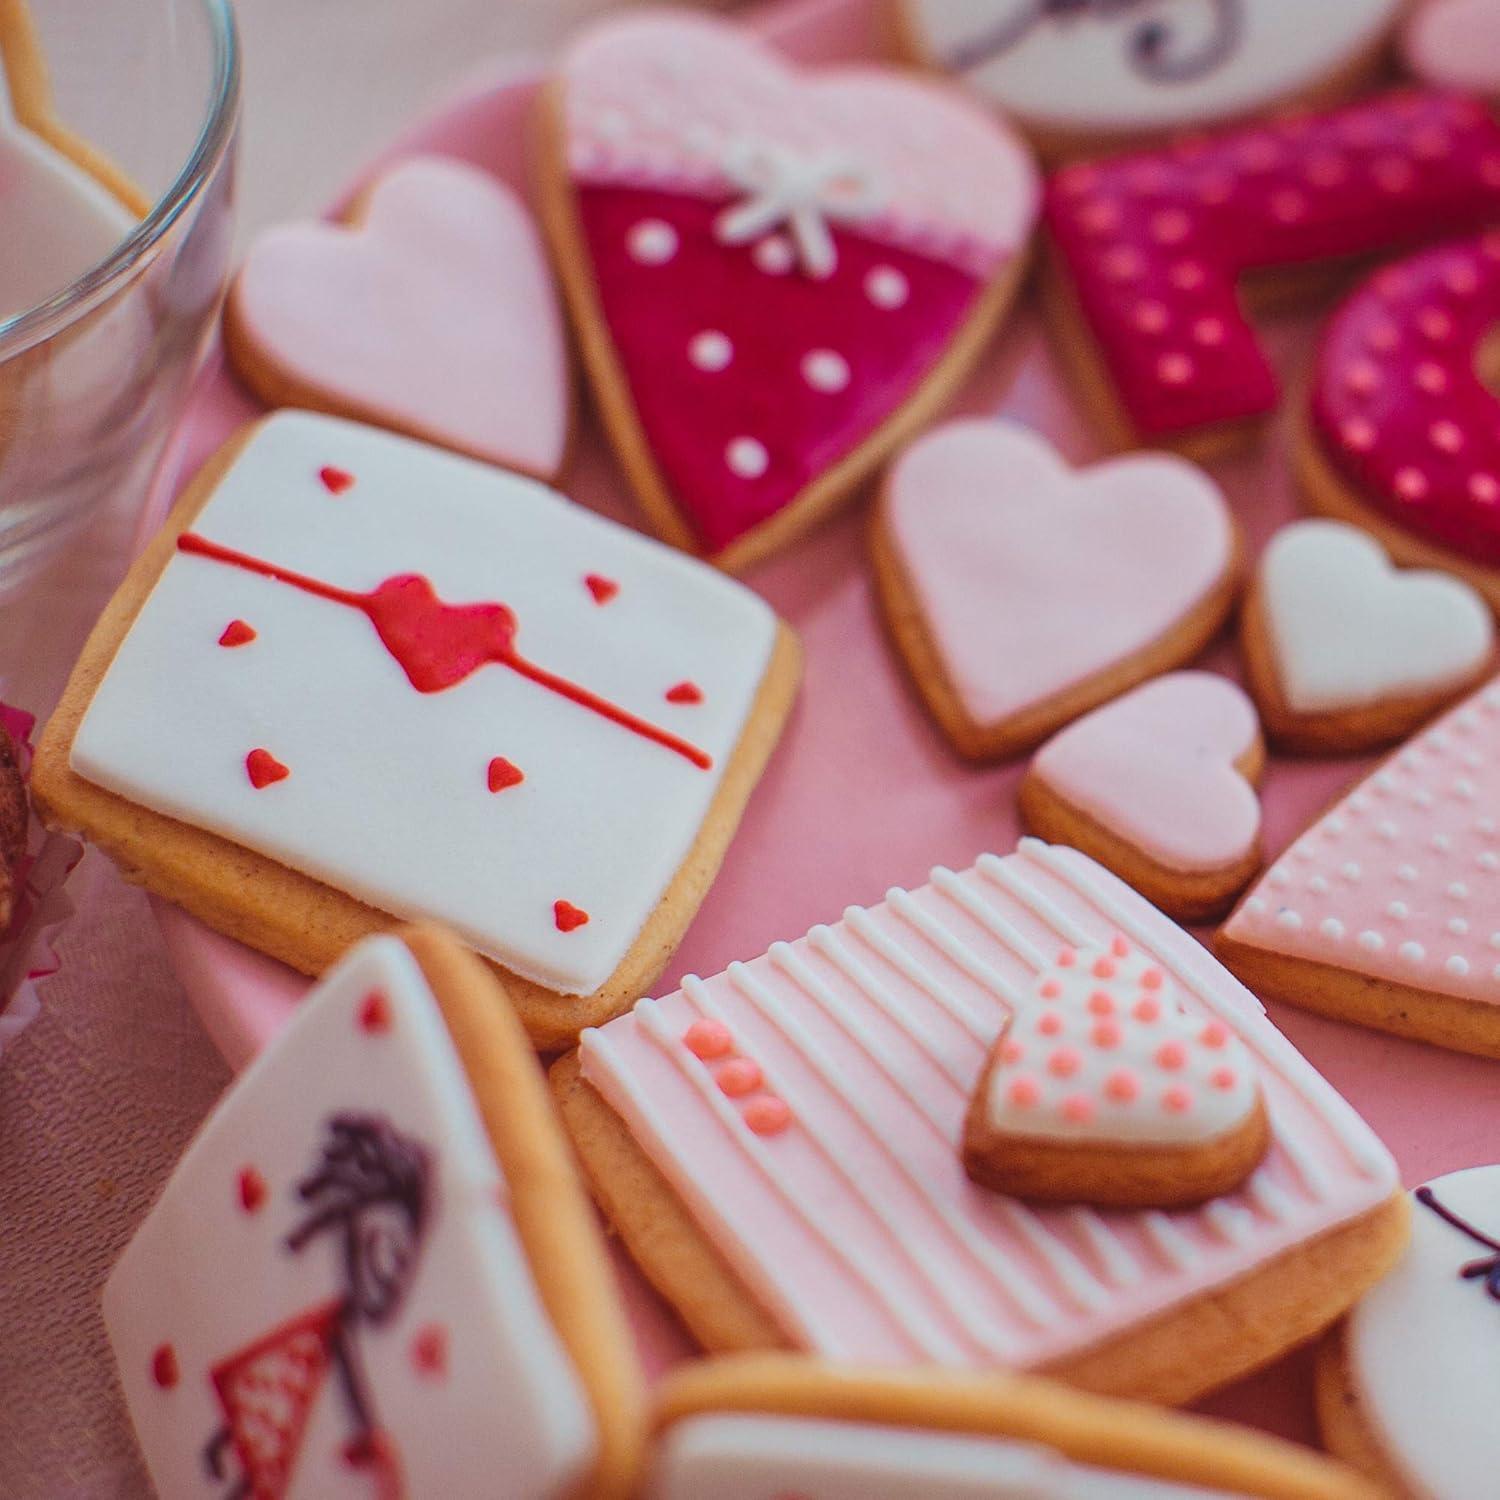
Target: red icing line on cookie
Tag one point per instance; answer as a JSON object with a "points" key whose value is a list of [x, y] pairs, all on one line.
{"points": [[1398, 407], [1152, 245], [567, 916], [503, 773], [335, 481], [603, 589], [164, 1370], [264, 769], [438, 645], [237, 633], [750, 378], [252, 1189]]}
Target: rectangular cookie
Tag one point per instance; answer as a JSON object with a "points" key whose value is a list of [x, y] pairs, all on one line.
{"points": [[357, 678], [816, 1198]]}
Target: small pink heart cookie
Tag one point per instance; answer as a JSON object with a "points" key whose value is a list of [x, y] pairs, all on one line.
{"points": [[431, 312], [776, 274], [1455, 44], [1103, 1090], [1023, 593], [1159, 786]]}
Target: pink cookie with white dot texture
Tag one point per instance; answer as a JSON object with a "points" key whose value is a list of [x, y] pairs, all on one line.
{"points": [[775, 275], [1383, 913]]}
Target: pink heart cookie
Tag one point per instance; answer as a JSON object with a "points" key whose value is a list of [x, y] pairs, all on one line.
{"points": [[1023, 593], [1158, 786], [432, 312], [775, 274], [1103, 1090], [1455, 44]]}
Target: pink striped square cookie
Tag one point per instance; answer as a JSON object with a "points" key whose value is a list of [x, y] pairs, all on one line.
{"points": [[779, 1147]]}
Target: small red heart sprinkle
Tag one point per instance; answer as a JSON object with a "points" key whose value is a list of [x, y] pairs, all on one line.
{"points": [[237, 633], [263, 769], [375, 1013], [164, 1369], [504, 773], [603, 589], [685, 692], [567, 916], [429, 1350], [252, 1190], [335, 481]]}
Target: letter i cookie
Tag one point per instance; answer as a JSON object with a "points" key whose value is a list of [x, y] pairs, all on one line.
{"points": [[375, 1272], [1151, 251], [786, 1428], [776, 274]]}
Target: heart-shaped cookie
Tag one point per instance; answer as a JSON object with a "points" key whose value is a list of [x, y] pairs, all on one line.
{"points": [[431, 312], [1103, 1090], [1023, 593], [1158, 786], [1345, 652], [775, 274], [1455, 44]]}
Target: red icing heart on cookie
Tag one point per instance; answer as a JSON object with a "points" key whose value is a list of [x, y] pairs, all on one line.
{"points": [[264, 769], [434, 315], [776, 268]]}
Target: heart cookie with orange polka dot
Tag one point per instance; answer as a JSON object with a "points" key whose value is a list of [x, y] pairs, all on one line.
{"points": [[1103, 1090], [775, 275]]}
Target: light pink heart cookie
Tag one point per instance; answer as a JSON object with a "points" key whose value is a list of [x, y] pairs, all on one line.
{"points": [[1023, 593], [1455, 44], [776, 273], [432, 312], [1158, 786]]}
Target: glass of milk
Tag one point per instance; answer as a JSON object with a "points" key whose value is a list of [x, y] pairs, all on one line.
{"points": [[117, 136]]}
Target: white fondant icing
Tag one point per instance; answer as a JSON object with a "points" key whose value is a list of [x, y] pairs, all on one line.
{"points": [[207, 1277]]}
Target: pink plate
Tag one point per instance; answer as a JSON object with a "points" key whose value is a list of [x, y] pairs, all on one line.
{"points": [[864, 793]]}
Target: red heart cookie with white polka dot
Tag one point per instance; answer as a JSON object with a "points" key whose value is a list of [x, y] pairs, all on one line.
{"points": [[775, 275], [1103, 1090]]}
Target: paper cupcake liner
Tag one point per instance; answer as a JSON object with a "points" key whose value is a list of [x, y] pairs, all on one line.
{"points": [[28, 953]]}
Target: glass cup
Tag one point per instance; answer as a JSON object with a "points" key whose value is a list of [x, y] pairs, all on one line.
{"points": [[93, 370]]}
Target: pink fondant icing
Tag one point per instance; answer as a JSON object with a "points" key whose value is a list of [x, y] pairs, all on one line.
{"points": [[1398, 404], [780, 260], [1156, 768], [436, 315], [856, 1226], [1153, 245], [1015, 559], [1401, 881], [1455, 44]]}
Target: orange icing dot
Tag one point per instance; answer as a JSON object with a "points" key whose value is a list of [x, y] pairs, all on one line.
{"points": [[708, 1039], [1177, 1100], [1122, 1086], [1078, 1109], [1101, 1003], [767, 1115], [1215, 1034], [1120, 946], [1106, 1034], [738, 1077], [1146, 1009], [1063, 1063], [1066, 959], [1051, 989], [1024, 1092], [1104, 968], [1222, 1078], [1171, 1056], [1050, 1024]]}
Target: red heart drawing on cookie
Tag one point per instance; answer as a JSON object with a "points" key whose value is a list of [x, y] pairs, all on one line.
{"points": [[1040, 591], [432, 313], [776, 261]]}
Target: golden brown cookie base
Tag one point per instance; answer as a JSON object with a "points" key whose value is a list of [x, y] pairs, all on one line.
{"points": [[1172, 1359], [1345, 1429], [1185, 895], [906, 623], [1343, 731], [558, 211], [1088, 1430], [298, 919], [548, 1204]]}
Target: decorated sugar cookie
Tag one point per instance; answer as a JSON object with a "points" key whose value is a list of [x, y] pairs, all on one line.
{"points": [[1454, 44], [431, 312], [1403, 430], [781, 1148], [1102, 1090], [356, 676], [1405, 1380], [775, 274], [1383, 912], [1345, 652], [374, 1271], [995, 564], [1160, 787], [767, 1427], [65, 207], [1153, 250], [1080, 73]]}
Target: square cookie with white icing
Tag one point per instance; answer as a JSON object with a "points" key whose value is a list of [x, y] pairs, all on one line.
{"points": [[374, 1271], [356, 678]]}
